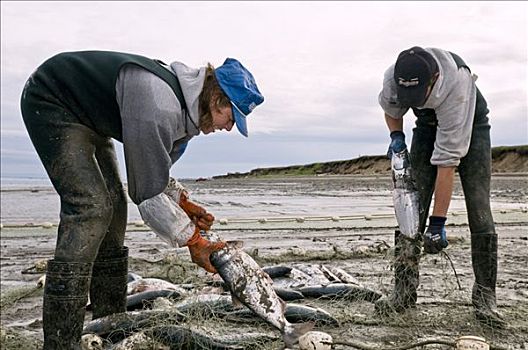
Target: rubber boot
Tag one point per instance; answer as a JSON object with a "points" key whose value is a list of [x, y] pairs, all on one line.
{"points": [[406, 276], [108, 289], [65, 297], [484, 258]]}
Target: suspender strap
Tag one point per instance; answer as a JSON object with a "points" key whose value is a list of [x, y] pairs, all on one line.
{"points": [[459, 61], [176, 87]]}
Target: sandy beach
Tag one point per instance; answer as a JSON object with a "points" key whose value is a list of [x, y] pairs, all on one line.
{"points": [[341, 221]]}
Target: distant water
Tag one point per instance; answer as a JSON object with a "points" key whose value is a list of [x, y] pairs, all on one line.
{"points": [[24, 182], [35, 201]]}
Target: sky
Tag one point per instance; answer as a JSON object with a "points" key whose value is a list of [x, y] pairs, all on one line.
{"points": [[319, 65]]}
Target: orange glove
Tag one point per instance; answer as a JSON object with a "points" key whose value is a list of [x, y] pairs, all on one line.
{"points": [[198, 215], [201, 249]]}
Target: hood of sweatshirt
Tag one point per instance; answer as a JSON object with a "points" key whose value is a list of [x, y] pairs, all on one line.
{"points": [[191, 81]]}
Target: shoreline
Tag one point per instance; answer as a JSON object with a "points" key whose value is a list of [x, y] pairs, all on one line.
{"points": [[41, 187], [271, 198]]}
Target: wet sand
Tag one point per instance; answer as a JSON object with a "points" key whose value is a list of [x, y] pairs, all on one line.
{"points": [[336, 221]]}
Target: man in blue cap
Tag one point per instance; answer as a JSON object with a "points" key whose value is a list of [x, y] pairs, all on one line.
{"points": [[73, 105], [452, 131]]}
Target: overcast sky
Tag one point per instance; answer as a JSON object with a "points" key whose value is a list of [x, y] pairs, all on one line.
{"points": [[319, 65]]}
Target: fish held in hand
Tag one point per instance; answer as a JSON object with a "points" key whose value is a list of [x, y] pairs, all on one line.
{"points": [[254, 288], [405, 195]]}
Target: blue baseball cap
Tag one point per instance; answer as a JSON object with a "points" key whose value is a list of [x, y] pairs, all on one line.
{"points": [[241, 89]]}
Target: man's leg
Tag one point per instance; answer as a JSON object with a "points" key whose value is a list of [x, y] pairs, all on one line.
{"points": [[406, 276], [67, 150], [407, 251], [475, 175], [109, 277]]}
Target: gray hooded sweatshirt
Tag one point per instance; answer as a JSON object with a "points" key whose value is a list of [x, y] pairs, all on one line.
{"points": [[453, 99], [155, 133]]}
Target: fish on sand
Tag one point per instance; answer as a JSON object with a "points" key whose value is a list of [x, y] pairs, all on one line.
{"points": [[340, 290]]}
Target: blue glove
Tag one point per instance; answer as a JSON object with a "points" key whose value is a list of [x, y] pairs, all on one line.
{"points": [[435, 238], [397, 143]]}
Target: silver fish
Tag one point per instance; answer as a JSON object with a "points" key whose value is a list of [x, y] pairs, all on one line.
{"points": [[277, 270], [205, 303], [303, 313], [340, 290], [405, 195], [294, 313], [316, 275], [332, 277], [130, 322], [343, 276], [137, 341], [179, 337], [133, 277], [288, 294], [146, 284], [296, 279], [173, 337], [254, 288], [144, 299]]}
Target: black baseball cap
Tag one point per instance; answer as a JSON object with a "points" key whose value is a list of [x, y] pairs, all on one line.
{"points": [[413, 71]]}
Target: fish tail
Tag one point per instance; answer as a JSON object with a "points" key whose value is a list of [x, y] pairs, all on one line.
{"points": [[293, 331]]}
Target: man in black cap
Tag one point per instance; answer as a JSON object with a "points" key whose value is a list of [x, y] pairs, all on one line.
{"points": [[452, 131]]}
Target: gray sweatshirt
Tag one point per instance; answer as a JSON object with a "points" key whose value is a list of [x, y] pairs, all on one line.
{"points": [[453, 99], [154, 132], [154, 127]]}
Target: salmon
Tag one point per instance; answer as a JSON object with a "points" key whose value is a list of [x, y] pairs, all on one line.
{"points": [[405, 195], [254, 288]]}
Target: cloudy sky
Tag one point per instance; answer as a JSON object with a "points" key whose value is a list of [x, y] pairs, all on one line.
{"points": [[318, 64]]}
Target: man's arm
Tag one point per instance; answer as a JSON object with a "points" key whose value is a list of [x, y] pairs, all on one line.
{"points": [[443, 190], [152, 122], [165, 216], [444, 177], [394, 124], [397, 136], [435, 238]]}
